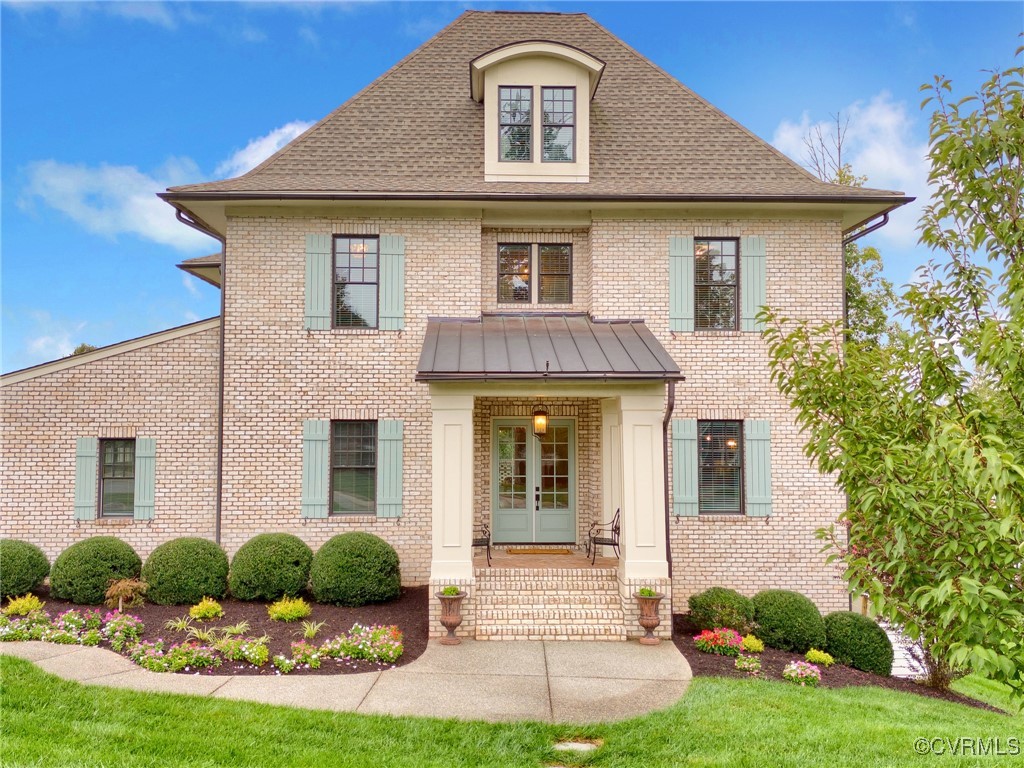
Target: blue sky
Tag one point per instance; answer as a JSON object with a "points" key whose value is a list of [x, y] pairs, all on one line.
{"points": [[106, 103]]}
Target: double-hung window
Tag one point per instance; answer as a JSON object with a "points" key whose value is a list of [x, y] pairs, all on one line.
{"points": [[720, 466], [117, 478], [515, 123], [353, 467], [716, 282], [356, 277], [559, 124], [519, 262]]}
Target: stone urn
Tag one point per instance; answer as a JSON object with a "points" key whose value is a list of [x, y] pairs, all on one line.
{"points": [[649, 618], [451, 615]]}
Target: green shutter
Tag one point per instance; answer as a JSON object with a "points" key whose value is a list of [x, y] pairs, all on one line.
{"points": [[316, 458], [758, 466], [753, 280], [389, 468], [392, 282], [145, 477], [684, 467], [86, 477], [680, 283], [319, 282]]}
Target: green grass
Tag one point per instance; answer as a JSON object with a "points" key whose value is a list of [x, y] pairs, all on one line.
{"points": [[50, 722], [991, 692]]}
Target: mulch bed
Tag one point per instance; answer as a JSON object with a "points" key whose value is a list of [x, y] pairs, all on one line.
{"points": [[408, 612], [773, 662]]}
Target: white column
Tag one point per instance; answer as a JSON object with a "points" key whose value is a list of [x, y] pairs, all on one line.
{"points": [[643, 488], [452, 479], [611, 460]]}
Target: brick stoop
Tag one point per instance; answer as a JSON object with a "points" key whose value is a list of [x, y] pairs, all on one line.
{"points": [[548, 604]]}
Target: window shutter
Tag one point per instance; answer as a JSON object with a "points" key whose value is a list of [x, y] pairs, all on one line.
{"points": [[319, 282], [680, 283], [86, 477], [145, 477], [684, 467], [753, 278], [757, 440], [316, 470], [389, 468], [392, 283]]}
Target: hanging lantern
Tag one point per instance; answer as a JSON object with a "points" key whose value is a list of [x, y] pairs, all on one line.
{"points": [[540, 420]]}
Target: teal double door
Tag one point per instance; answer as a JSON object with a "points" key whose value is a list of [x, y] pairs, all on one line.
{"points": [[534, 483]]}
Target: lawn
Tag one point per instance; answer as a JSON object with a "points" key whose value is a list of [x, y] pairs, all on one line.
{"points": [[50, 722]]}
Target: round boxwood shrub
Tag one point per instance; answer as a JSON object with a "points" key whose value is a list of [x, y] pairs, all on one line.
{"points": [[23, 567], [788, 621], [270, 566], [83, 571], [184, 571], [858, 642], [721, 607], [355, 569]]}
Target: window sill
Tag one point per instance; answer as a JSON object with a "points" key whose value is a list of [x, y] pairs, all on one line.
{"points": [[352, 517], [348, 331], [114, 521]]}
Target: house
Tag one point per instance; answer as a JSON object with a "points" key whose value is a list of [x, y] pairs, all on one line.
{"points": [[524, 216]]}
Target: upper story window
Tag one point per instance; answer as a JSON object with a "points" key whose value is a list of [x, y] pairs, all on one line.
{"points": [[117, 478], [716, 281], [515, 132], [519, 262], [559, 124], [356, 277]]}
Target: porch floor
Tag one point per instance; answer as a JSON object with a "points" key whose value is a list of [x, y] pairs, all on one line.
{"points": [[578, 559]]}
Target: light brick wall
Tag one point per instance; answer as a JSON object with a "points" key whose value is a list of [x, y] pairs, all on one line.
{"points": [[167, 391]]}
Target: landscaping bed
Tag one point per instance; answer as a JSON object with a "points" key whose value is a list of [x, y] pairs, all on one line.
{"points": [[408, 613], [774, 661]]}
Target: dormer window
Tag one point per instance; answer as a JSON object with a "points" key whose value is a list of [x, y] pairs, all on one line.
{"points": [[559, 124], [515, 132]]}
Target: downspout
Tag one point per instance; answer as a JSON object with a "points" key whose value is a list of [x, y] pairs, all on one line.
{"points": [[667, 431], [200, 226]]}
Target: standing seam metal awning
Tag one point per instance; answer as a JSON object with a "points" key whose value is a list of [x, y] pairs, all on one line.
{"points": [[531, 346]]}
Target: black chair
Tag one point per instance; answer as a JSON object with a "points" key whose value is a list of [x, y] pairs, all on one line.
{"points": [[484, 540], [604, 534]]}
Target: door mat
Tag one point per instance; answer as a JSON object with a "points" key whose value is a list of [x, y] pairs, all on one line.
{"points": [[536, 551]]}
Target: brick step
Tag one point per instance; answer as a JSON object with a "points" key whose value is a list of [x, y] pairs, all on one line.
{"points": [[569, 601], [526, 574], [547, 585], [549, 615], [549, 632]]}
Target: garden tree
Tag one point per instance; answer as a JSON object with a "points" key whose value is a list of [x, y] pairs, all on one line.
{"points": [[82, 348], [869, 296], [924, 431]]}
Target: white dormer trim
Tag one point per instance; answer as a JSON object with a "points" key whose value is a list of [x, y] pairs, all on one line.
{"points": [[533, 48]]}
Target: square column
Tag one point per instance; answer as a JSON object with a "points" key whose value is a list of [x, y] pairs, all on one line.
{"points": [[643, 488], [611, 462], [452, 480]]}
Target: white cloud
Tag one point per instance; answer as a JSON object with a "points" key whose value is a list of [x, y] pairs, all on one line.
{"points": [[259, 149], [160, 14], [880, 143], [309, 36], [111, 200], [52, 338], [251, 34], [191, 285]]}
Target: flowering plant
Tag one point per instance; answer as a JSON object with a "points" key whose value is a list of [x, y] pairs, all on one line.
{"points": [[749, 664], [802, 673], [379, 643], [122, 629], [283, 664], [720, 640], [244, 649], [306, 653]]}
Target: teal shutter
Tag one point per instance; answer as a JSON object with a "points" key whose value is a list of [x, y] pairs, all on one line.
{"points": [[392, 283], [758, 466], [680, 283], [684, 467], [145, 477], [319, 282], [86, 477], [753, 282], [316, 435], [389, 468]]}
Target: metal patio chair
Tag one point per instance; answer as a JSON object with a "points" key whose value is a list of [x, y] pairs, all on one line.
{"points": [[484, 540], [604, 534]]}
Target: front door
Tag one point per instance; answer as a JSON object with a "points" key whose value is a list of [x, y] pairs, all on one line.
{"points": [[534, 482]]}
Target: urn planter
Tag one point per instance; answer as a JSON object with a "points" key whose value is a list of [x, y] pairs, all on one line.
{"points": [[649, 618], [451, 615]]}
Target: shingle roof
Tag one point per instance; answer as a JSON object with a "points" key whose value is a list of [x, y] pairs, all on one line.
{"points": [[559, 346], [415, 130]]}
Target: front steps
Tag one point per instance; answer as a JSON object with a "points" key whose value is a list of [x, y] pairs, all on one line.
{"points": [[548, 604]]}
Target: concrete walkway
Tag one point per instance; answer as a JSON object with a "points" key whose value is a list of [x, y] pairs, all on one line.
{"points": [[562, 682]]}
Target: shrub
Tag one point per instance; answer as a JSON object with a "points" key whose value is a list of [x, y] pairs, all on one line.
{"points": [[814, 656], [24, 567], [721, 607], [23, 606], [802, 673], [206, 609], [721, 640], [269, 566], [125, 592], [289, 609], [752, 645], [355, 569], [749, 664], [183, 571], [83, 571], [859, 642], [788, 621]]}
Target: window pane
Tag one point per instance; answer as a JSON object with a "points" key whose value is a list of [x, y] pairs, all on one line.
{"points": [[559, 106], [555, 289], [355, 306], [720, 466], [715, 307], [555, 259], [354, 491], [354, 466], [558, 144], [117, 477], [515, 142], [118, 497], [715, 284], [356, 275], [516, 105], [514, 273]]}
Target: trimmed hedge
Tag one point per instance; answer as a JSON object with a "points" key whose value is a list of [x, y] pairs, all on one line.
{"points": [[858, 642], [184, 571], [270, 566], [355, 569], [83, 572], [788, 621], [23, 566], [721, 607]]}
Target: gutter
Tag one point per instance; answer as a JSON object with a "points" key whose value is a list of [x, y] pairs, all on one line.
{"points": [[666, 430], [191, 220]]}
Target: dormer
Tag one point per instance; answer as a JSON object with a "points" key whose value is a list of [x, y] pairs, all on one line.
{"points": [[536, 96]]}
